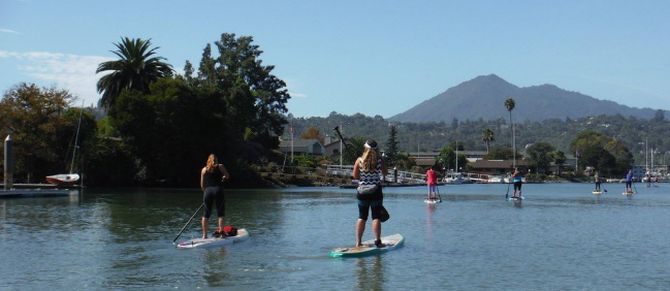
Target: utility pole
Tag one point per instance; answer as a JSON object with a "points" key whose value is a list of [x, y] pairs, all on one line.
{"points": [[341, 142], [9, 163]]}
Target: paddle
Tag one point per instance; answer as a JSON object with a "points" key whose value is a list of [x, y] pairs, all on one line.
{"points": [[439, 198], [337, 129], [508, 182], [189, 222], [634, 187]]}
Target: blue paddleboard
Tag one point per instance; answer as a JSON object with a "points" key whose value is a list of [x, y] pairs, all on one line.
{"points": [[368, 248]]}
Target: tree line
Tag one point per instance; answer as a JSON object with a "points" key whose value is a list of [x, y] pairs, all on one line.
{"points": [[158, 127], [612, 143]]}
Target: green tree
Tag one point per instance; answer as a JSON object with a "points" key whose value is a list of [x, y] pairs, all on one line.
{"points": [[540, 156], [601, 151], [622, 156], [487, 138], [559, 160], [391, 150], [43, 128], [447, 159], [234, 107], [136, 68]]}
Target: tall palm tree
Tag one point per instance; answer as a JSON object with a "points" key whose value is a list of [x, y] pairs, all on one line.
{"points": [[510, 104], [136, 68], [488, 137]]}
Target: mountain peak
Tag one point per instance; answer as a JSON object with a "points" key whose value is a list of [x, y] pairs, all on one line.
{"points": [[484, 96], [488, 82]]}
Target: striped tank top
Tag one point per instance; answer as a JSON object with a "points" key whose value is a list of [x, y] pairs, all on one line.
{"points": [[371, 177]]}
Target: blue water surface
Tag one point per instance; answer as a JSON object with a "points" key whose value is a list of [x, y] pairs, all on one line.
{"points": [[560, 237]]}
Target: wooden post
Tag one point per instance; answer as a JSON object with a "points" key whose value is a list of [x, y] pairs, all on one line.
{"points": [[9, 164]]}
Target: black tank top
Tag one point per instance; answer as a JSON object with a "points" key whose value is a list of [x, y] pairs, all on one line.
{"points": [[212, 178]]}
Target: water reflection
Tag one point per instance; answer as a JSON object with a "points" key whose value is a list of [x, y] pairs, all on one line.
{"points": [[214, 267], [370, 273], [430, 210]]}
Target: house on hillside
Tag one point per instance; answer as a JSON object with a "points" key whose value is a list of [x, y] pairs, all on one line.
{"points": [[426, 159], [302, 146], [497, 167], [332, 146]]}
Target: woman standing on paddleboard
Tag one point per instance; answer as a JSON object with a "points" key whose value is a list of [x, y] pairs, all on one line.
{"points": [[517, 180], [212, 176], [368, 169], [431, 180]]}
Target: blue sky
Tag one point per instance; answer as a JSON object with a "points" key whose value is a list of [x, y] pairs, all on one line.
{"points": [[372, 57]]}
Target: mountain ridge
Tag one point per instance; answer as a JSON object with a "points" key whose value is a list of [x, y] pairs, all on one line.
{"points": [[484, 96]]}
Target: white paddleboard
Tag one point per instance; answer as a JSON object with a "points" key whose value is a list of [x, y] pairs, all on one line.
{"points": [[368, 247], [242, 235], [628, 193], [432, 201], [511, 198], [597, 192]]}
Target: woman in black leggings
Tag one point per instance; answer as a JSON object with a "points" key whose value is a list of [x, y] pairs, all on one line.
{"points": [[212, 176]]}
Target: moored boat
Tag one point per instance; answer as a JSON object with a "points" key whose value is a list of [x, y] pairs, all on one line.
{"points": [[63, 179]]}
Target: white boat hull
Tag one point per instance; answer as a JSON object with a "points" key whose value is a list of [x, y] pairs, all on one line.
{"points": [[63, 179]]}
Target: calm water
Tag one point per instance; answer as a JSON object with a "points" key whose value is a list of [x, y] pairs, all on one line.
{"points": [[560, 237]]}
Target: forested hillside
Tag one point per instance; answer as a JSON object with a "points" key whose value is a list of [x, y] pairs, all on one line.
{"points": [[433, 136]]}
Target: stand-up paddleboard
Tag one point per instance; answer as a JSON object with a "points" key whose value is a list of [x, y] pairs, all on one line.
{"points": [[597, 192], [432, 201], [628, 193], [368, 248], [242, 235], [516, 199]]}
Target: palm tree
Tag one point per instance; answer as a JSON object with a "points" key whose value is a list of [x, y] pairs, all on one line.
{"points": [[509, 104], [488, 137], [136, 68]]}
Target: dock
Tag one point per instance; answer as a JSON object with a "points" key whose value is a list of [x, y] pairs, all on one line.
{"points": [[36, 190]]}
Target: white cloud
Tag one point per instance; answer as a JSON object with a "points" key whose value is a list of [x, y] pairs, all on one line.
{"points": [[291, 84], [297, 94], [7, 30], [75, 73]]}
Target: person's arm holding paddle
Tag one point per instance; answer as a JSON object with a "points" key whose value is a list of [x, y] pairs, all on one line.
{"points": [[225, 173]]}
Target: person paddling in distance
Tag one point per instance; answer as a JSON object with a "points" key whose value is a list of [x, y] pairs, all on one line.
{"points": [[596, 179], [212, 176], [431, 180], [629, 181], [517, 180], [368, 170]]}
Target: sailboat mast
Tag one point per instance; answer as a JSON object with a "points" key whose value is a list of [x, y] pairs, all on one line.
{"points": [[76, 138]]}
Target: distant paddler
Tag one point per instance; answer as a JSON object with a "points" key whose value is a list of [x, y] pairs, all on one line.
{"points": [[518, 181], [629, 182], [431, 180], [596, 180]]}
